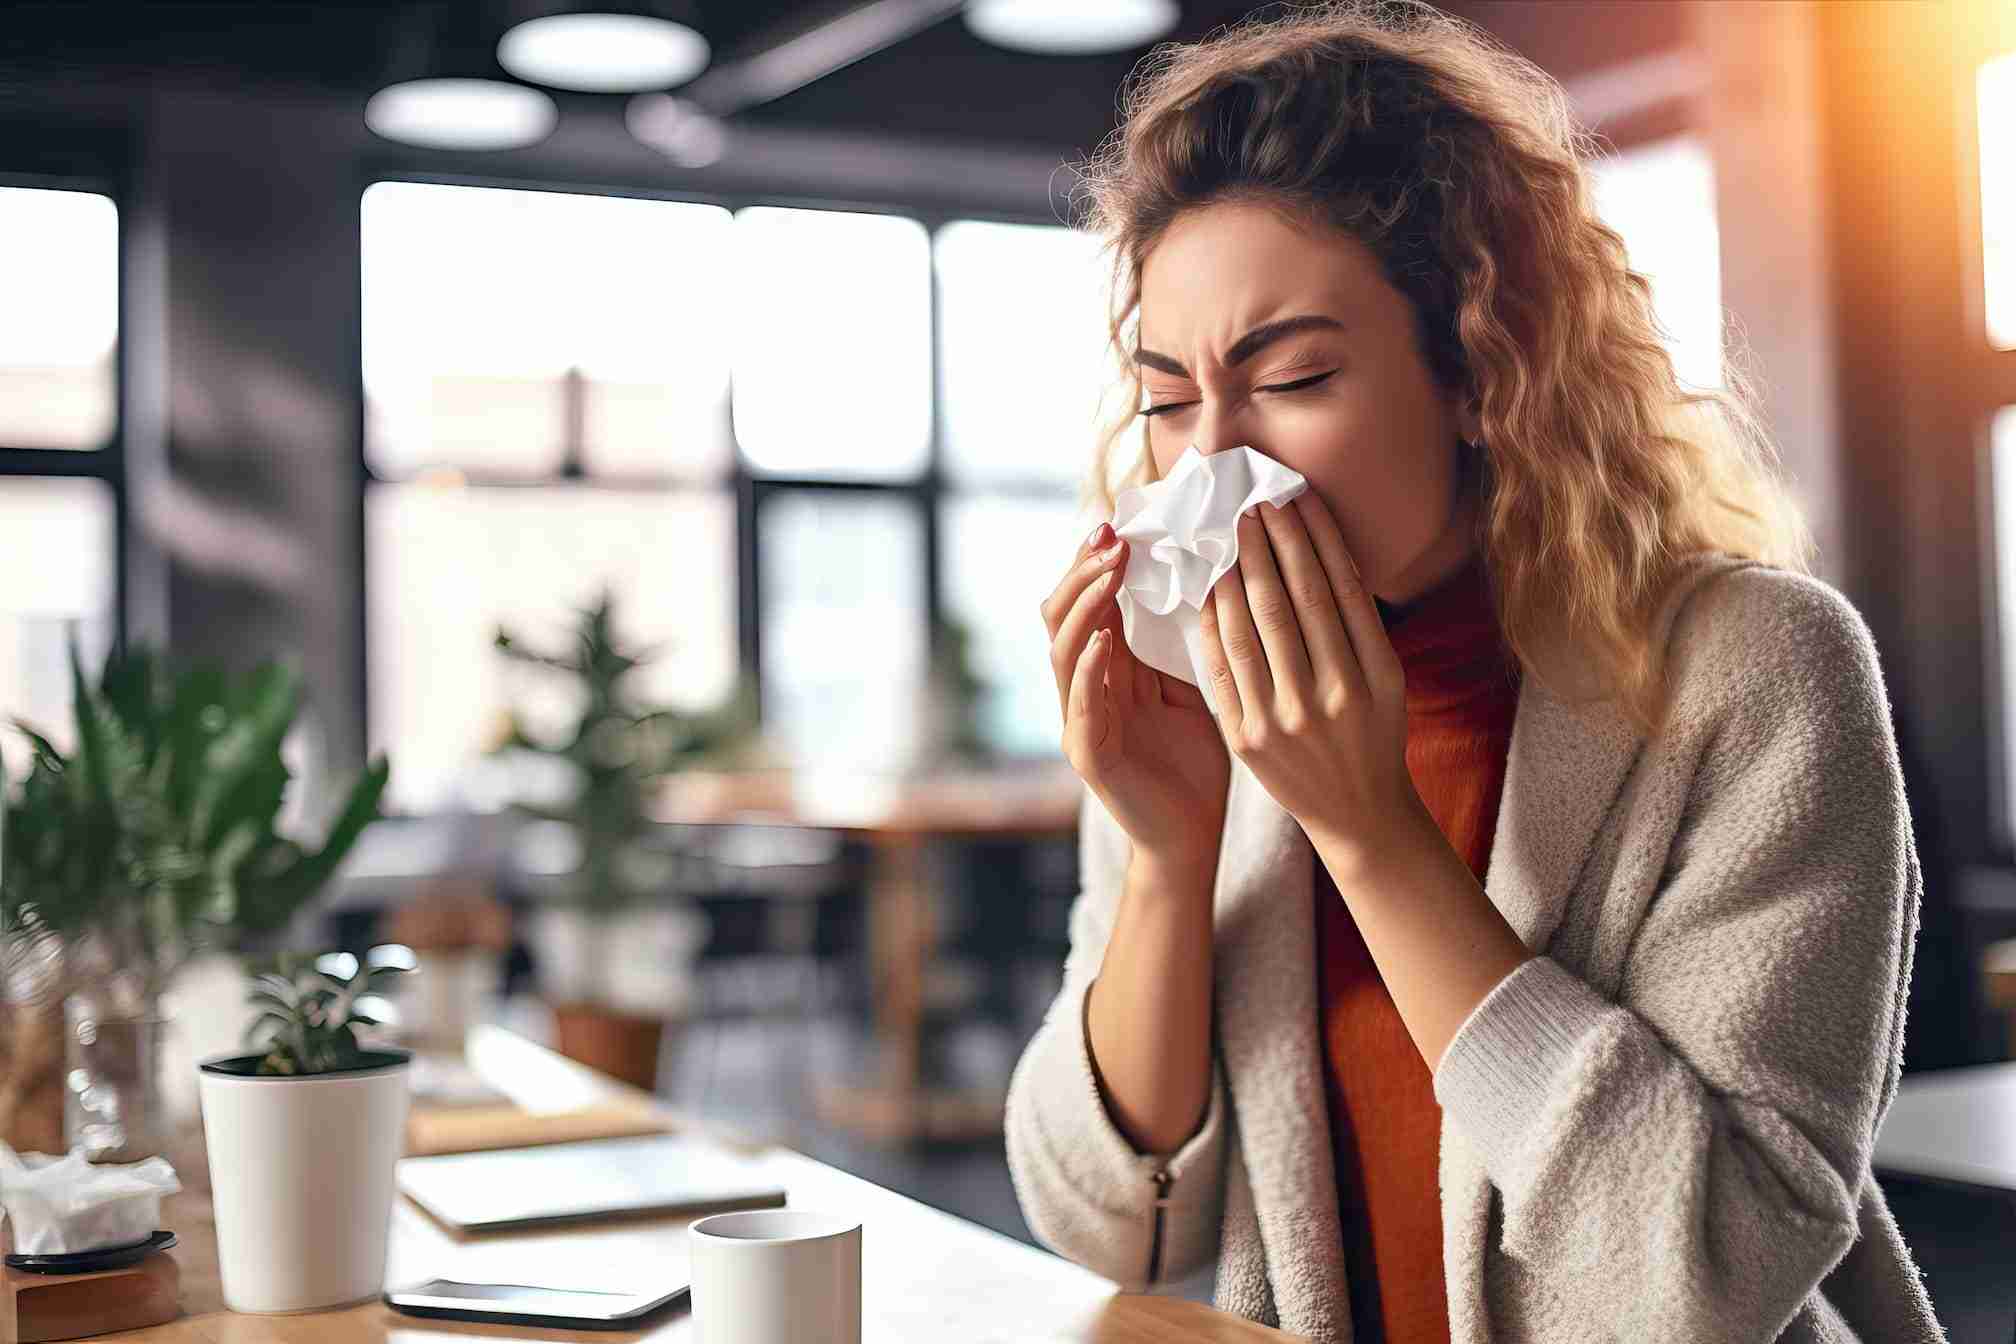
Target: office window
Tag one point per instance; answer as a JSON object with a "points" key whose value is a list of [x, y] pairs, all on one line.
{"points": [[831, 333], [56, 555], [1028, 377], [1000, 555], [507, 333], [1023, 346], [59, 451], [845, 631], [1661, 197], [448, 563], [59, 320], [547, 416], [1995, 88], [807, 340]]}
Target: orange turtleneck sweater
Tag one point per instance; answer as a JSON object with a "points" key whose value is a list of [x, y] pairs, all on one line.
{"points": [[1462, 688]]}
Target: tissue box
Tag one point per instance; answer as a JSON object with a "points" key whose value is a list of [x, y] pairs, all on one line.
{"points": [[62, 1205]]}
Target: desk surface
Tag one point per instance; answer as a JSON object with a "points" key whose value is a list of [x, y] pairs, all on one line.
{"points": [[926, 1275], [1953, 1125]]}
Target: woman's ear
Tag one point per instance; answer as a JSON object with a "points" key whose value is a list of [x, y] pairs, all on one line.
{"points": [[1470, 418]]}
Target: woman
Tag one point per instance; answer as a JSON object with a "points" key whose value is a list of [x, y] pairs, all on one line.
{"points": [[1521, 954]]}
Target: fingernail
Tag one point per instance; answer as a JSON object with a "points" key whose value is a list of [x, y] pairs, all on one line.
{"points": [[1099, 535]]}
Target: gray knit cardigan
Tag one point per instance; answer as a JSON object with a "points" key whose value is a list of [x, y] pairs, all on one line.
{"points": [[1659, 1128]]}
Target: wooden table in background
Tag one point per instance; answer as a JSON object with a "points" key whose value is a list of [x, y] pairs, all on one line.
{"points": [[927, 1277], [899, 818]]}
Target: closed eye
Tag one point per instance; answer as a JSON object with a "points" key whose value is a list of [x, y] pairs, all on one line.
{"points": [[1295, 386]]}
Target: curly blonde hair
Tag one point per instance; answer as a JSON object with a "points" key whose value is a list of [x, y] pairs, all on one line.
{"points": [[1458, 164]]}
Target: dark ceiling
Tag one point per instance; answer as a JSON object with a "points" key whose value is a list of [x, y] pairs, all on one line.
{"points": [[941, 81]]}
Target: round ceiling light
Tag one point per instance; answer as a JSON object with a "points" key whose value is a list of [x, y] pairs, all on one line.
{"points": [[1070, 27], [461, 114], [603, 53]]}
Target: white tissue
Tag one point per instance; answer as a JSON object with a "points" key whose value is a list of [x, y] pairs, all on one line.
{"points": [[61, 1205], [1183, 535]]}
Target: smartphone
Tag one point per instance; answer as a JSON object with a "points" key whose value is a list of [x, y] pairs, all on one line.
{"points": [[522, 1304]]}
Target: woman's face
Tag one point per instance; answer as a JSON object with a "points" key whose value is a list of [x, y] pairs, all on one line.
{"points": [[1359, 415]]}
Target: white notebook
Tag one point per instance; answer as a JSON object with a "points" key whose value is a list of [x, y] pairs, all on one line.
{"points": [[577, 1182]]}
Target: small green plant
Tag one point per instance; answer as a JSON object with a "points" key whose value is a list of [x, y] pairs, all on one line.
{"points": [[156, 837], [309, 1012], [617, 749], [962, 733]]}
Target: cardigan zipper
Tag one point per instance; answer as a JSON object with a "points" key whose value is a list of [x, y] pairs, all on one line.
{"points": [[1163, 1183]]}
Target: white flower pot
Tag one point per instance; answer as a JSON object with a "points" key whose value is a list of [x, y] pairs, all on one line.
{"points": [[649, 954], [568, 946], [301, 1172], [451, 992], [639, 959]]}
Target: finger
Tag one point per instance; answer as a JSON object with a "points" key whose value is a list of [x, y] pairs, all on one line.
{"points": [[1089, 709], [1242, 662], [1092, 596], [1224, 687], [1375, 662], [1273, 613], [1131, 679], [1308, 589], [1087, 566], [1245, 655]]}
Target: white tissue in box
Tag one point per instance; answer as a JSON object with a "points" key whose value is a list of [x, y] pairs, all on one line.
{"points": [[1183, 535], [62, 1205]]}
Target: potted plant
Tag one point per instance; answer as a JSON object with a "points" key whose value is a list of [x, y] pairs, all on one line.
{"points": [[459, 934], [153, 839], [952, 704], [303, 1134], [614, 945]]}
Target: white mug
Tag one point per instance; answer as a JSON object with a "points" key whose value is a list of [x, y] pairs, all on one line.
{"points": [[776, 1276]]}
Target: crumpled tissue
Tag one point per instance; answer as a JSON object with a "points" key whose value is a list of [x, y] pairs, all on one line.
{"points": [[1183, 535], [61, 1205]]}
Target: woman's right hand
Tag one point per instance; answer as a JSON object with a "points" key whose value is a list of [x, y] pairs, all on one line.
{"points": [[1144, 741]]}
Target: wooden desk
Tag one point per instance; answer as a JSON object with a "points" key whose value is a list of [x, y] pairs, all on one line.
{"points": [[1953, 1125], [927, 1276], [899, 818]]}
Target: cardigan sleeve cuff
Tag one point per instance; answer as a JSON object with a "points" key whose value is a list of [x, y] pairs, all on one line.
{"points": [[1508, 1058], [1115, 1152]]}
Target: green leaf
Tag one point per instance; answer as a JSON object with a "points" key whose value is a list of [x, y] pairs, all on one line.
{"points": [[275, 900], [264, 710], [46, 755], [94, 731]]}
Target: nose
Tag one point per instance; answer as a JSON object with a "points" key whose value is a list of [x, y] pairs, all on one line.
{"points": [[1219, 428]]}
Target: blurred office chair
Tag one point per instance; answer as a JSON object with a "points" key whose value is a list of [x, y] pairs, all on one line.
{"points": [[782, 903], [1004, 930]]}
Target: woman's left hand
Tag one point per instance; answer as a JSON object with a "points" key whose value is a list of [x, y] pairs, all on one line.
{"points": [[1310, 694]]}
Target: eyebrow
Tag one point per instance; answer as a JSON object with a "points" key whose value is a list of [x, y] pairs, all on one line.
{"points": [[1248, 345]]}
